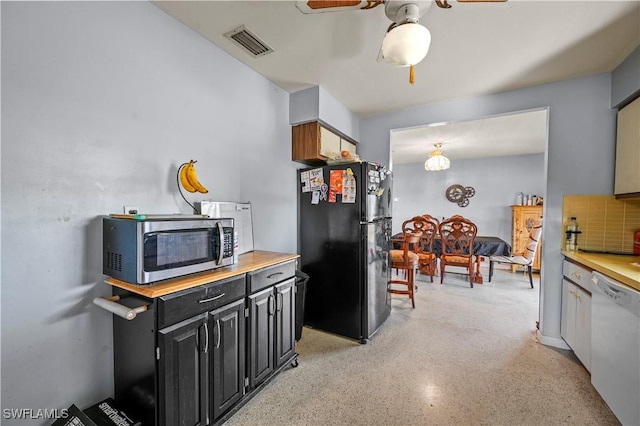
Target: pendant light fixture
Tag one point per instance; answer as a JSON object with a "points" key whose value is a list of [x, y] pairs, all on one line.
{"points": [[437, 161]]}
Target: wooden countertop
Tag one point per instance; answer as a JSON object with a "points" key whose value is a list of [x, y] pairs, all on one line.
{"points": [[247, 262], [617, 267]]}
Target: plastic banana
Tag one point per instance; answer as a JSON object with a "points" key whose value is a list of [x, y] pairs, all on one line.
{"points": [[184, 181], [193, 178]]}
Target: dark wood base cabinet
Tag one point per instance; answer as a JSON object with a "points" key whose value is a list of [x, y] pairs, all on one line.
{"points": [[271, 330], [197, 355]]}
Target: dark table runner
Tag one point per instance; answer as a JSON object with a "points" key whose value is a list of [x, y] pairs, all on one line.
{"points": [[482, 246]]}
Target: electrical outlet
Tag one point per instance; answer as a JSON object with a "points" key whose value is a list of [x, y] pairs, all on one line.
{"points": [[130, 210]]}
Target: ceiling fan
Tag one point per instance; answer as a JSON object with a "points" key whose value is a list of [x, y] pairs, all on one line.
{"points": [[406, 42]]}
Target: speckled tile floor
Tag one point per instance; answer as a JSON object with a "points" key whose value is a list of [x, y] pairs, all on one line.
{"points": [[463, 356]]}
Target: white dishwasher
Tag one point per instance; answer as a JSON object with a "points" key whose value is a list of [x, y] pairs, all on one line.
{"points": [[615, 346]]}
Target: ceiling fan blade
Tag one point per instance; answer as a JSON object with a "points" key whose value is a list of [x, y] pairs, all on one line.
{"points": [[445, 5], [316, 6]]}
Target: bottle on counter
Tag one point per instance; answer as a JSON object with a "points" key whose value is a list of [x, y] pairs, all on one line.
{"points": [[572, 235], [519, 199]]}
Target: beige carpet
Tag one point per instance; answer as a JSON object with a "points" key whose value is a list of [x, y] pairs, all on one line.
{"points": [[463, 356]]}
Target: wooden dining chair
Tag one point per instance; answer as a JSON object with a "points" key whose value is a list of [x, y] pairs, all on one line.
{"points": [[432, 219], [457, 234], [405, 261], [526, 257], [427, 258]]}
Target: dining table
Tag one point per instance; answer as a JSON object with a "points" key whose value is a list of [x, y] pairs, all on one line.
{"points": [[482, 246]]}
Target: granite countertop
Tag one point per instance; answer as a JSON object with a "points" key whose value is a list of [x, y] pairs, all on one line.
{"points": [[247, 262], [618, 267]]}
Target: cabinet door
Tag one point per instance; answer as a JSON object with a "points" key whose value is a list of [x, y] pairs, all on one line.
{"points": [[346, 145], [627, 178], [329, 143], [569, 306], [285, 321], [183, 372], [583, 327], [227, 329], [261, 343]]}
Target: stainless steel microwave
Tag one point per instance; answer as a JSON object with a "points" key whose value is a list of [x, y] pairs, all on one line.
{"points": [[146, 251]]}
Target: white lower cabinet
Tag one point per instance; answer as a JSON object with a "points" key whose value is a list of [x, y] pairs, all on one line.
{"points": [[576, 321]]}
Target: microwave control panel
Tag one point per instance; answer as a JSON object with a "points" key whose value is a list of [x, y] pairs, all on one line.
{"points": [[227, 244]]}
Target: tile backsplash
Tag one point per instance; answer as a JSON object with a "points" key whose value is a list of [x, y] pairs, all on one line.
{"points": [[607, 224]]}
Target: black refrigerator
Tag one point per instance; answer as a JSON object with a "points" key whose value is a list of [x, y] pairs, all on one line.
{"points": [[344, 231]]}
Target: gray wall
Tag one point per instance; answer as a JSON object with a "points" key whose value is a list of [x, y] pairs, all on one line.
{"points": [[496, 181], [625, 80], [304, 105], [315, 103], [101, 103], [579, 158]]}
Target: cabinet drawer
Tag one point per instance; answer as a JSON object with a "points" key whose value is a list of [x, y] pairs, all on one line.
{"points": [[185, 304], [577, 274], [270, 275]]}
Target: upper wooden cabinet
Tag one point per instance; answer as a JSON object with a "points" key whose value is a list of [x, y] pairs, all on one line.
{"points": [[627, 183], [314, 142]]}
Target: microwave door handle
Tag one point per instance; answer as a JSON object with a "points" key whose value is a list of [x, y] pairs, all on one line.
{"points": [[220, 243]]}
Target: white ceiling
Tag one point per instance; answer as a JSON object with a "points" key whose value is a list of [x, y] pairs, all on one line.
{"points": [[476, 49], [510, 134]]}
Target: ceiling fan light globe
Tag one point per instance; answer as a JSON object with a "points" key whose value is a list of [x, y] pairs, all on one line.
{"points": [[406, 44]]}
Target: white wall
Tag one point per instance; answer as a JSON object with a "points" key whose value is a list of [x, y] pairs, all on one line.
{"points": [[101, 103], [580, 156], [496, 181]]}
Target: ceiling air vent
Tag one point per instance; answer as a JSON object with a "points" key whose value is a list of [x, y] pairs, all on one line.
{"points": [[245, 38]]}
